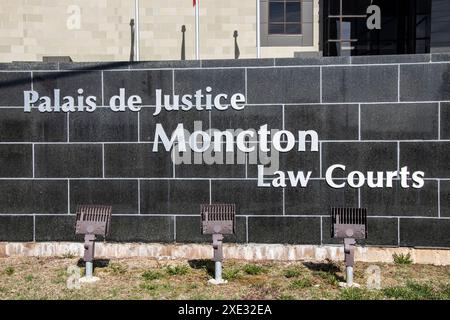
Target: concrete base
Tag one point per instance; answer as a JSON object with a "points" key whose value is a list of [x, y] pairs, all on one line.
{"points": [[215, 282], [250, 252], [89, 280], [345, 285]]}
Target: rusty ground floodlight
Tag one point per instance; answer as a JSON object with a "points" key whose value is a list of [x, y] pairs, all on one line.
{"points": [[92, 221], [218, 219], [349, 224]]}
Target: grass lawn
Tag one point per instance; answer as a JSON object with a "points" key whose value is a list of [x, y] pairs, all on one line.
{"points": [[139, 278]]}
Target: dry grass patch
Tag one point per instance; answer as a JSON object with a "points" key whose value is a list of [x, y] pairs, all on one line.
{"points": [[139, 278]]}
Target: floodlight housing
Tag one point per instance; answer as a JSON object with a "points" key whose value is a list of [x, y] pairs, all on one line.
{"points": [[349, 224], [92, 221], [217, 220]]}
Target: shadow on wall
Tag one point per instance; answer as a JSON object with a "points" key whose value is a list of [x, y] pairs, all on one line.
{"points": [[62, 75]]}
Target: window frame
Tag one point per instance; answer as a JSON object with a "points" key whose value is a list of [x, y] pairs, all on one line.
{"points": [[285, 23]]}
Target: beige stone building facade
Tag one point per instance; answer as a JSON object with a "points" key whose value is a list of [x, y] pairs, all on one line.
{"points": [[99, 30]]}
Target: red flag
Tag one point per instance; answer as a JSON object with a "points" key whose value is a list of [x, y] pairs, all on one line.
{"points": [[194, 2]]}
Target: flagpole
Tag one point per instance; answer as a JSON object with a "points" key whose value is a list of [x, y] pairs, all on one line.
{"points": [[258, 29], [136, 23], [197, 29]]}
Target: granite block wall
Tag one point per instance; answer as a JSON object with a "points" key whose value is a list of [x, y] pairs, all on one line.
{"points": [[371, 113]]}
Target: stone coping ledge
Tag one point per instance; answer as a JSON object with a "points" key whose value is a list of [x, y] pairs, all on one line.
{"points": [[250, 252], [224, 63]]}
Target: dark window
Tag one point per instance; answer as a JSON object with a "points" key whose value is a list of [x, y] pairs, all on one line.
{"points": [[285, 17], [405, 27]]}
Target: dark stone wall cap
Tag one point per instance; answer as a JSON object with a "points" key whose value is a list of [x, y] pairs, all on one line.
{"points": [[101, 65], [311, 61], [169, 64], [29, 65], [402, 58], [440, 57], [224, 63]]}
